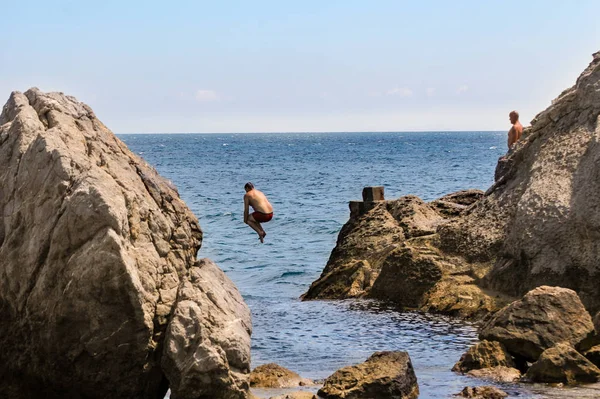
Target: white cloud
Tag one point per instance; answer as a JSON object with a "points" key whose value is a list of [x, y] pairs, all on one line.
{"points": [[462, 89], [400, 91], [206, 96], [430, 91]]}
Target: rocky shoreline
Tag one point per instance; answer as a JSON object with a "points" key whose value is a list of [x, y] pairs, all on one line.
{"points": [[530, 241], [469, 253], [102, 294]]}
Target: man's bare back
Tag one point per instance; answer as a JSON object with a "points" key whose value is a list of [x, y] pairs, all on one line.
{"points": [[516, 131], [258, 201], [263, 210]]}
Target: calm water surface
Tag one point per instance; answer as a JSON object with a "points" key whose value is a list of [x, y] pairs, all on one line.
{"points": [[309, 179]]}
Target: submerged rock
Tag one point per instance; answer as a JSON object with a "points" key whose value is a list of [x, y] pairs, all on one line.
{"points": [[274, 376], [296, 395], [496, 374], [562, 364], [544, 317], [482, 392], [484, 354], [95, 248], [383, 375]]}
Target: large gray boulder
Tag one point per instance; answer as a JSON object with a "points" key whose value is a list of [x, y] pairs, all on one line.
{"points": [[383, 375], [95, 247], [543, 318], [540, 223]]}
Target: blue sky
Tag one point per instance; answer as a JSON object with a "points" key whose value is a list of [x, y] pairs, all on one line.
{"points": [[271, 66]]}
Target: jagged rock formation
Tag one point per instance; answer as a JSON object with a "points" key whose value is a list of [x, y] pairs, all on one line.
{"points": [[540, 221], [548, 326], [543, 318], [539, 224], [383, 375], [391, 252], [484, 354], [97, 256], [563, 364]]}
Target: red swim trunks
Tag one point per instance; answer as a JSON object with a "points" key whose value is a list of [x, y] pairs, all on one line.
{"points": [[262, 217]]}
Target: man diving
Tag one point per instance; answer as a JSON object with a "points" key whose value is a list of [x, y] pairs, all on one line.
{"points": [[263, 210]]}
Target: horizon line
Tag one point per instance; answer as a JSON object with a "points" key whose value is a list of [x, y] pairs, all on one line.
{"points": [[333, 131]]}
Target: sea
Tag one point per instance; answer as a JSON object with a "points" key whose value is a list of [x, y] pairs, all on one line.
{"points": [[309, 178]]}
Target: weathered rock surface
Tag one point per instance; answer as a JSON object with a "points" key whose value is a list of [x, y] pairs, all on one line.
{"points": [[543, 318], [484, 354], [272, 375], [354, 264], [383, 375], [482, 392], [563, 364], [390, 253], [537, 225], [540, 221], [452, 205], [593, 355], [210, 322], [95, 248], [497, 374]]}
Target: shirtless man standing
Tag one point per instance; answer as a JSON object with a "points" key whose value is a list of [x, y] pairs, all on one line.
{"points": [[263, 211], [515, 132]]}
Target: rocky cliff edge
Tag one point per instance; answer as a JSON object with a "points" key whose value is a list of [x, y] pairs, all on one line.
{"points": [[101, 294], [539, 224]]}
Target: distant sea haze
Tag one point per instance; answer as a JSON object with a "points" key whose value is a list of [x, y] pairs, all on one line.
{"points": [[310, 178]]}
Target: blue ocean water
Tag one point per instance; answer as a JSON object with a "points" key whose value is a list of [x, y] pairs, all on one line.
{"points": [[309, 179]]}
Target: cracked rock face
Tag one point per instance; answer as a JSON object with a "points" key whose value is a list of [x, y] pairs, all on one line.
{"points": [[540, 221], [95, 248]]}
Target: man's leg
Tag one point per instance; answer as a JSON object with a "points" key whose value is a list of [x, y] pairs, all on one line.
{"points": [[256, 227]]}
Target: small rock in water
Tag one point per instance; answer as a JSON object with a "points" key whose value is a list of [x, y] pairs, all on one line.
{"points": [[272, 375], [296, 395], [496, 374], [383, 375], [484, 354], [483, 392]]}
